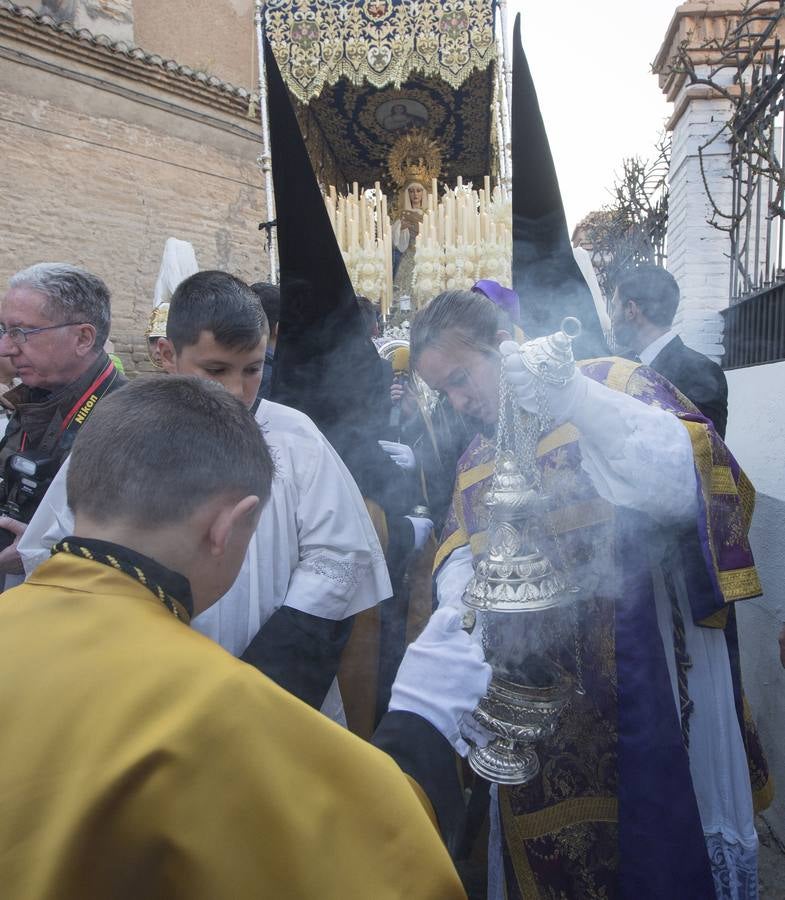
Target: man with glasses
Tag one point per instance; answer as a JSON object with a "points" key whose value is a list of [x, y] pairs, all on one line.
{"points": [[54, 321]]}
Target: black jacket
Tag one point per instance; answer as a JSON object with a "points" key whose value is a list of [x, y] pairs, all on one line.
{"points": [[698, 378], [39, 426]]}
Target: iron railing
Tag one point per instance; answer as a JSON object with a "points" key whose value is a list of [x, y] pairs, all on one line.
{"points": [[755, 329], [755, 320]]}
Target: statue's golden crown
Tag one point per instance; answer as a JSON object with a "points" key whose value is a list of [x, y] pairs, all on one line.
{"points": [[416, 171], [414, 157]]}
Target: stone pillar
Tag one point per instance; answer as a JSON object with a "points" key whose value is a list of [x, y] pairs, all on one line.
{"points": [[697, 251], [113, 18]]}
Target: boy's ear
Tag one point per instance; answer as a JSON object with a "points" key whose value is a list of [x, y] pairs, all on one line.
{"points": [[228, 518], [168, 355]]}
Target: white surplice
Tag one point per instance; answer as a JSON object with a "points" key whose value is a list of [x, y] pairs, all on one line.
{"points": [[315, 548]]}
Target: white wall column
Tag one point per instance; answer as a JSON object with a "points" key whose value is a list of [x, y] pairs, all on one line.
{"points": [[697, 251]]}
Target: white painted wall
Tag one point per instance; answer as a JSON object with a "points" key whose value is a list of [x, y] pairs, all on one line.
{"points": [[698, 252], [756, 436]]}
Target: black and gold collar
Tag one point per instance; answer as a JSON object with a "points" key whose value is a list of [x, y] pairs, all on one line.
{"points": [[171, 588]]}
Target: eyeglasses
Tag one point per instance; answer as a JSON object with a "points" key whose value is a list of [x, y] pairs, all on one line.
{"points": [[20, 335]]}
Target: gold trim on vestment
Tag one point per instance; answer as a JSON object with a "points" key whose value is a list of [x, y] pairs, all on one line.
{"points": [[718, 619], [738, 584], [575, 811], [701, 449], [747, 496], [620, 373], [564, 434], [722, 480], [455, 540], [472, 476]]}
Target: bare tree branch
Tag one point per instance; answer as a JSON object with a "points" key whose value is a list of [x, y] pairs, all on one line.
{"points": [[743, 66], [632, 228]]}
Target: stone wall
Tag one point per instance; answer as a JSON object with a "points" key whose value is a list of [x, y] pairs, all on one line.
{"points": [[218, 37], [100, 171]]}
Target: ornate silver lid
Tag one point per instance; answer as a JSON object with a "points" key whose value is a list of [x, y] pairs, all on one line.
{"points": [[551, 357]]}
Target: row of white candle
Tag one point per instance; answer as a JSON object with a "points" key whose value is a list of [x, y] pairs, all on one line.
{"points": [[466, 216], [466, 236], [362, 226], [463, 217]]}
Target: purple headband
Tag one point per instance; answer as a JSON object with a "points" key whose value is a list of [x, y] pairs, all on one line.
{"points": [[505, 298]]}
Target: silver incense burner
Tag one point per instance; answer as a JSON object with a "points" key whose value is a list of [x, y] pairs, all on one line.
{"points": [[521, 598]]}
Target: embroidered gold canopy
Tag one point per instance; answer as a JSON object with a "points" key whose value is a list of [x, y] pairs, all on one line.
{"points": [[378, 42]]}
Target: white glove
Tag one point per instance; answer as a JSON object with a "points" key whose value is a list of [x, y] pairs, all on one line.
{"points": [[422, 530], [563, 401], [636, 455], [442, 678], [401, 454]]}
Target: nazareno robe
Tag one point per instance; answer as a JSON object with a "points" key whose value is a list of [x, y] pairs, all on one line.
{"points": [[644, 790], [140, 760]]}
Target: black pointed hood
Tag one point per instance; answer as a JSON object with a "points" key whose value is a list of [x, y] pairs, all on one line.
{"points": [[325, 364], [317, 299], [544, 272], [320, 322]]}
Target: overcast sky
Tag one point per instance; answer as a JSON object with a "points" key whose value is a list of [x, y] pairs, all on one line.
{"points": [[591, 64]]}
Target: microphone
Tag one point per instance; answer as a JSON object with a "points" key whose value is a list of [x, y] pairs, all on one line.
{"points": [[400, 366]]}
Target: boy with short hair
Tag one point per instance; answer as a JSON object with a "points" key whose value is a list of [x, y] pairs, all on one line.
{"points": [[140, 759], [315, 560]]}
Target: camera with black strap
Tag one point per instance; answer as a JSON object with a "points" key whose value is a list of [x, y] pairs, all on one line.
{"points": [[27, 473]]}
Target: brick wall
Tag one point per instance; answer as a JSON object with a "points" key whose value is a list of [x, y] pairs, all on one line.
{"points": [[105, 193]]}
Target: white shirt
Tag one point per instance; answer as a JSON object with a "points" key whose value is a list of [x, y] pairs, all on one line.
{"points": [[649, 354], [315, 548]]}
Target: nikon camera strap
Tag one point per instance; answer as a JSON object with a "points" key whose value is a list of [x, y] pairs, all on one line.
{"points": [[80, 411]]}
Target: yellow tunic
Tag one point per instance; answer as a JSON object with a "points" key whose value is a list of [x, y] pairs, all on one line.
{"points": [[140, 760]]}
